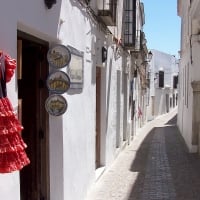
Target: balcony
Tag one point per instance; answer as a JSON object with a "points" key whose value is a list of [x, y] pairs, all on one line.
{"points": [[131, 36], [134, 40], [107, 11]]}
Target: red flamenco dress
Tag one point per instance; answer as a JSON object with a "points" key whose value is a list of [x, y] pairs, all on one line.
{"points": [[12, 147]]}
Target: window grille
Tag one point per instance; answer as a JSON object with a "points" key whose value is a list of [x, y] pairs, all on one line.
{"points": [[130, 23]]}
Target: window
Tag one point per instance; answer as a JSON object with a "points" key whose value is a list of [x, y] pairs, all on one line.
{"points": [[175, 82], [129, 22], [161, 79]]}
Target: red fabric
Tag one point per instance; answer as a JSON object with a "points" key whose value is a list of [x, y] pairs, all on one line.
{"points": [[10, 65], [12, 161], [12, 147]]}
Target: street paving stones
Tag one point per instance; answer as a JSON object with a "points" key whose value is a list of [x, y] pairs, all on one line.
{"points": [[155, 166]]}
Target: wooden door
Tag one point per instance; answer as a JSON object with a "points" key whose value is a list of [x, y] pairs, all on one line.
{"points": [[32, 94]]}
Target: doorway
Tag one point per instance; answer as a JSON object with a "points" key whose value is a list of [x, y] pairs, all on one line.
{"points": [[32, 93], [98, 116], [118, 110], [167, 103]]}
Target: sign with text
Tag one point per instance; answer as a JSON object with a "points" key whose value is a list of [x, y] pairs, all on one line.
{"points": [[58, 82], [59, 56]]}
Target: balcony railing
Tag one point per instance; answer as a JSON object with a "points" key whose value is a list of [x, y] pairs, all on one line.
{"points": [[134, 40], [131, 36], [107, 11]]}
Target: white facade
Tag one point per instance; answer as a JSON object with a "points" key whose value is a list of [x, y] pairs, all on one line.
{"points": [[138, 87], [66, 151], [72, 136], [162, 99], [188, 117]]}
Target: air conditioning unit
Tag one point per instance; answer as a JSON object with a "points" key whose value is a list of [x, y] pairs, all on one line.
{"points": [[87, 1], [107, 11], [103, 4]]}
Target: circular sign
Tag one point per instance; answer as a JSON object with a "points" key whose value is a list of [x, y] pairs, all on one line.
{"points": [[56, 105], [58, 82], [59, 56]]}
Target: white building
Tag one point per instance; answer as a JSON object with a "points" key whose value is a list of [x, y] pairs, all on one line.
{"points": [[189, 86], [66, 150], [163, 75], [135, 42]]}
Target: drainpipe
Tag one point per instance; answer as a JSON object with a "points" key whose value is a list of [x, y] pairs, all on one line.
{"points": [[191, 58]]}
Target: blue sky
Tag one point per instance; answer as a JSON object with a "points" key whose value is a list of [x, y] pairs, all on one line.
{"points": [[162, 25]]}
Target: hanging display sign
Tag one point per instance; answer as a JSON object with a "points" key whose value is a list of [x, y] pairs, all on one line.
{"points": [[59, 56], [58, 82], [56, 105]]}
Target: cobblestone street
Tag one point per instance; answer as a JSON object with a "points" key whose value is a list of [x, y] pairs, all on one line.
{"points": [[156, 166]]}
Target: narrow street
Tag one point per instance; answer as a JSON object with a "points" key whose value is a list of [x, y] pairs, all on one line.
{"points": [[156, 166]]}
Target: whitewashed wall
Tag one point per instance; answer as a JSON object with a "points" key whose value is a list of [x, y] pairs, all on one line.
{"points": [[79, 121], [31, 17], [72, 136], [189, 66], [71, 139], [167, 63]]}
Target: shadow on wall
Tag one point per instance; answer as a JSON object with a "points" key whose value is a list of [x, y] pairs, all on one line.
{"points": [[90, 58], [165, 168]]}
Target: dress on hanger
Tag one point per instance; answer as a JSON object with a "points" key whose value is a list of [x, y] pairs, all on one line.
{"points": [[12, 147]]}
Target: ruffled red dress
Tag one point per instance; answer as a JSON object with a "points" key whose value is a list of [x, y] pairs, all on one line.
{"points": [[12, 147]]}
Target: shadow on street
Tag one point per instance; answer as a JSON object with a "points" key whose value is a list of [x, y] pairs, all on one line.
{"points": [[166, 170]]}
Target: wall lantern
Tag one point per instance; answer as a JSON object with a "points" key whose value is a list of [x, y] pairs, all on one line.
{"points": [[49, 3], [104, 54], [149, 56], [156, 76]]}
